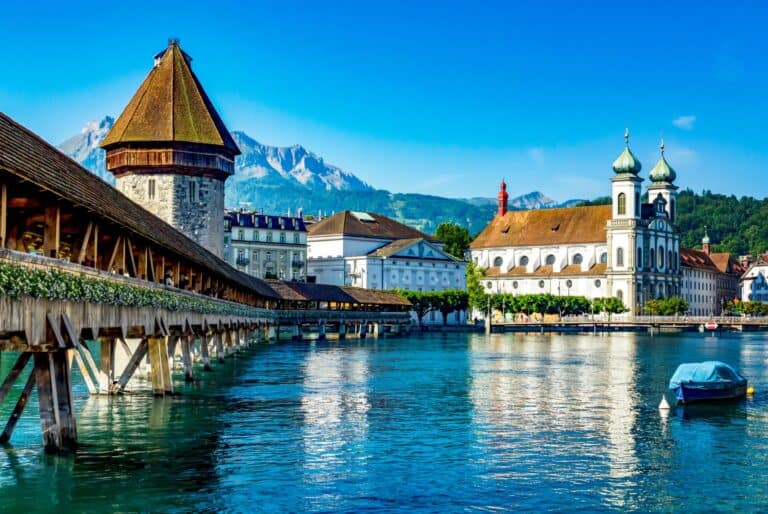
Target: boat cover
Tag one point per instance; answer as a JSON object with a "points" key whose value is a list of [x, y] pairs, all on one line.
{"points": [[703, 372]]}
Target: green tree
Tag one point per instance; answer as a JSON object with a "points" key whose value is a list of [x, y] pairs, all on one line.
{"points": [[610, 305], [475, 290], [455, 237], [672, 306], [422, 302], [450, 300], [652, 307]]}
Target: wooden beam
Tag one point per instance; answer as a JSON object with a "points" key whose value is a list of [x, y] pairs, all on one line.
{"points": [[16, 370], [131, 270], [52, 231], [84, 246], [151, 275], [3, 215], [114, 253], [133, 363], [96, 246], [5, 437], [141, 271]]}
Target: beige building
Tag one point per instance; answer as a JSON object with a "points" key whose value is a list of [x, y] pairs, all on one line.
{"points": [[266, 246]]}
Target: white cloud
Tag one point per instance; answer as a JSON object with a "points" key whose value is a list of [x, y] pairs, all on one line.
{"points": [[684, 122], [536, 154]]}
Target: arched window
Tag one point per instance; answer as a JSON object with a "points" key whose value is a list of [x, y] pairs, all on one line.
{"points": [[619, 256], [541, 284], [524, 260], [653, 257], [670, 262], [620, 295], [577, 258], [622, 201], [604, 258], [498, 261], [550, 259], [637, 204], [661, 256], [639, 263]]}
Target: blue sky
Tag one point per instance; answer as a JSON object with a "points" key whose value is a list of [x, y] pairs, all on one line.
{"points": [[442, 98]]}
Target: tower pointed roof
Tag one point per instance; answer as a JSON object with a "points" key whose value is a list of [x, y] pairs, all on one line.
{"points": [[662, 172], [171, 106]]}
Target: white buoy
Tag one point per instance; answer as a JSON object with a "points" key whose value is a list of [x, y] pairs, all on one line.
{"points": [[663, 404]]}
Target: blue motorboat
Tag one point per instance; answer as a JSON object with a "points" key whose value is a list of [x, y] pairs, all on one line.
{"points": [[711, 380]]}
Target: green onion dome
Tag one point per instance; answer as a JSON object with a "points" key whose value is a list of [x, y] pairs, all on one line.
{"points": [[662, 172], [626, 163]]}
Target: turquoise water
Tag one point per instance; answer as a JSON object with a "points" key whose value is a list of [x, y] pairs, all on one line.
{"points": [[427, 424]]}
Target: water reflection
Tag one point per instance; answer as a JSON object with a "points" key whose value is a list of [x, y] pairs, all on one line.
{"points": [[335, 408]]}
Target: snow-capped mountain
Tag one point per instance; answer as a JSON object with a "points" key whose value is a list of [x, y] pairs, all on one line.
{"points": [[294, 164], [84, 147], [273, 166]]}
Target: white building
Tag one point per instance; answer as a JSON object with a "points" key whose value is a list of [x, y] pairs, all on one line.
{"points": [[754, 283], [627, 250], [375, 252], [266, 246]]}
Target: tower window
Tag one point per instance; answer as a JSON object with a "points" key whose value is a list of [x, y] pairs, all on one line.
{"points": [[282, 237], [192, 191], [151, 189], [604, 258], [620, 257], [661, 257], [622, 203]]}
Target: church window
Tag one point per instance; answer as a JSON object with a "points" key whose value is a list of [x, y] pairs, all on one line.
{"points": [[542, 284], [255, 235], [670, 262], [241, 235], [192, 191], [514, 284], [498, 262], [604, 258], [524, 260], [661, 257], [151, 189], [296, 239], [550, 259], [639, 257], [269, 237], [653, 257], [577, 258], [619, 256], [598, 283], [622, 203], [269, 256], [620, 295]]}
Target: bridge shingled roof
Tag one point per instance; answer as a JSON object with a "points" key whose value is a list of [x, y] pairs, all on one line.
{"points": [[29, 157]]}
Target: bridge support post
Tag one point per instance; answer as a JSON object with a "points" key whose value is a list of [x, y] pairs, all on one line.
{"points": [[159, 369], [342, 331], [186, 355], [376, 329], [363, 330], [321, 331], [272, 333], [106, 364], [54, 392], [296, 332], [219, 347], [205, 342]]}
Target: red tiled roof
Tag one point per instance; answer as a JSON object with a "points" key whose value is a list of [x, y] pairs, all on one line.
{"points": [[380, 227], [542, 227], [696, 259]]}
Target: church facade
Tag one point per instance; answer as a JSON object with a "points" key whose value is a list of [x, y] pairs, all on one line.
{"points": [[628, 249]]}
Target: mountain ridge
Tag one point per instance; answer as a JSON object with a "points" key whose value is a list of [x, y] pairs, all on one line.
{"points": [[292, 178]]}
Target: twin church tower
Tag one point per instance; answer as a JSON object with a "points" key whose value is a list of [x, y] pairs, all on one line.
{"points": [[171, 153]]}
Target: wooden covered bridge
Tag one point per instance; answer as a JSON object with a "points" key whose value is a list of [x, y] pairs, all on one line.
{"points": [[83, 267]]}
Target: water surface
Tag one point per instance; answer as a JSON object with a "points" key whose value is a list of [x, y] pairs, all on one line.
{"points": [[437, 423]]}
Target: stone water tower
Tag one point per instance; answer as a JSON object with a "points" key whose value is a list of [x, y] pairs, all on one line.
{"points": [[171, 153]]}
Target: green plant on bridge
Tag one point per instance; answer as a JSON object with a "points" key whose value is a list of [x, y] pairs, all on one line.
{"points": [[18, 282]]}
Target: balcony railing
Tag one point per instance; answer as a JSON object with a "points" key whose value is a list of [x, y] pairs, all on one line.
{"points": [[297, 264], [243, 261]]}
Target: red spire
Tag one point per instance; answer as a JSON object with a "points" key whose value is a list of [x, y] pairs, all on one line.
{"points": [[503, 198]]}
